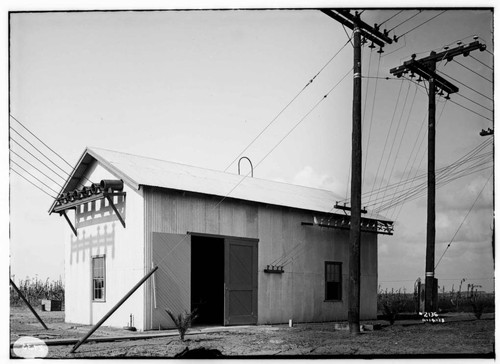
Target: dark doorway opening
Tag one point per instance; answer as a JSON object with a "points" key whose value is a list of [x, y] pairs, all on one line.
{"points": [[207, 280]]}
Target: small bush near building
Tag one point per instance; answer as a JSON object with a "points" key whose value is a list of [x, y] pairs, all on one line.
{"points": [[183, 321]]}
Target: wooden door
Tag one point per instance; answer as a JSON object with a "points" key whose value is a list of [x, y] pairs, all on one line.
{"points": [[240, 280], [171, 282]]}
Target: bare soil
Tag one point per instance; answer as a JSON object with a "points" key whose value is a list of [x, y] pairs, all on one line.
{"points": [[460, 336]]}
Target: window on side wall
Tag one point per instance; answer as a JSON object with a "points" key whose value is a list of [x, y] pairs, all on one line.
{"points": [[333, 281], [98, 278]]}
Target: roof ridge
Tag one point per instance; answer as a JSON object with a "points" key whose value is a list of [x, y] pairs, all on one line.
{"points": [[213, 170]]}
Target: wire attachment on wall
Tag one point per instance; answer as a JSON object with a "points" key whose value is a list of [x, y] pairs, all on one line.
{"points": [[274, 269]]}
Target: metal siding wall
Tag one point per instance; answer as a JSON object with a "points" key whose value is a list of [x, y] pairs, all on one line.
{"points": [[299, 292], [176, 212]]}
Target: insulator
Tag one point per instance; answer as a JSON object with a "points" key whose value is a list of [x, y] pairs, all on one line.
{"points": [[115, 185], [419, 79], [475, 37], [466, 54], [447, 97], [412, 75], [95, 188], [70, 197], [381, 50], [446, 48], [459, 43], [371, 45], [440, 93]]}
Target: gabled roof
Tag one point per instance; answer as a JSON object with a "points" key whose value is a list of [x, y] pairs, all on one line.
{"points": [[137, 171]]}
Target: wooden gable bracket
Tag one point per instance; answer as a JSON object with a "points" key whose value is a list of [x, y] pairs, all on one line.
{"points": [[109, 196], [61, 209], [63, 212]]}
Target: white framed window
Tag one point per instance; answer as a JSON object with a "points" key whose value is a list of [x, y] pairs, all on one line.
{"points": [[99, 278]]}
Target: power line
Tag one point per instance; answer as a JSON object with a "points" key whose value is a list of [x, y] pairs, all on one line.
{"points": [[245, 176], [287, 134], [286, 106], [371, 118], [421, 24], [468, 212], [474, 102], [34, 177], [385, 21], [34, 156], [57, 183], [411, 17], [38, 150], [20, 175], [463, 84], [484, 64], [41, 141], [442, 173], [386, 138], [395, 134], [472, 111], [477, 73]]}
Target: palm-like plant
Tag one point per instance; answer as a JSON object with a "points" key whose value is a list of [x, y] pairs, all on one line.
{"points": [[183, 321]]}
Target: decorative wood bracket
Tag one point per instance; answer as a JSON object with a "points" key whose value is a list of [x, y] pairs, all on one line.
{"points": [[63, 212], [109, 196]]}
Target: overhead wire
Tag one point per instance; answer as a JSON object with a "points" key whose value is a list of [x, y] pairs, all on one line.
{"points": [[41, 189], [418, 26], [401, 138], [440, 171], [465, 218], [387, 137], [395, 134], [484, 64], [38, 150], [445, 171], [444, 175], [477, 73], [286, 106], [34, 156], [467, 86], [57, 183], [393, 16], [262, 159], [50, 188], [411, 17], [41, 141]]}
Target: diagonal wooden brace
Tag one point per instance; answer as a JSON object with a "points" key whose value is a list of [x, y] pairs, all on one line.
{"points": [[69, 222], [110, 199]]}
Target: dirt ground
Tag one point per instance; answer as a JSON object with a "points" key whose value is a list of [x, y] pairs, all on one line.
{"points": [[460, 336]]}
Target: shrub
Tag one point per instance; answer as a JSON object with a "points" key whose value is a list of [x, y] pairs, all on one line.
{"points": [[395, 302], [183, 321]]}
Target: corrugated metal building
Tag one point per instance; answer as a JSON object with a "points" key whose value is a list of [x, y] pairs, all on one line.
{"points": [[266, 253]]}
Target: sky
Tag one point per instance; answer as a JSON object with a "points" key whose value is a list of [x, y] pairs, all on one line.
{"points": [[197, 87]]}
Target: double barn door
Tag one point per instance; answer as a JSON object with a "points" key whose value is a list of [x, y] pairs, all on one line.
{"points": [[172, 253]]}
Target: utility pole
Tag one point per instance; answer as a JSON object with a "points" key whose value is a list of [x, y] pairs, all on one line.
{"points": [[486, 133], [426, 69], [359, 28]]}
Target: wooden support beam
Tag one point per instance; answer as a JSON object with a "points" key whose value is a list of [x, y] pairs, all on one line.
{"points": [[109, 196], [69, 222]]}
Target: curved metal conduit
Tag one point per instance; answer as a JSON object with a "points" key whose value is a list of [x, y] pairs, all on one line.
{"points": [[249, 161]]}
